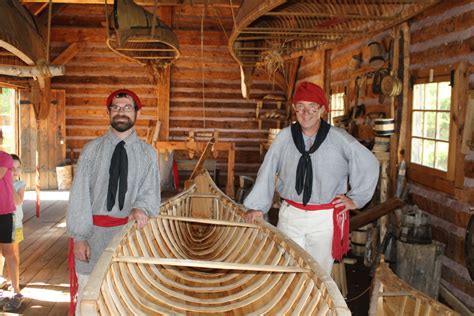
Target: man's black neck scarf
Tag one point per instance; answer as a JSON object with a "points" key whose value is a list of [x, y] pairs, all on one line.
{"points": [[118, 172], [304, 171]]}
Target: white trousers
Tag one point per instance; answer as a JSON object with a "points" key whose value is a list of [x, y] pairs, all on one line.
{"points": [[312, 230], [82, 281]]}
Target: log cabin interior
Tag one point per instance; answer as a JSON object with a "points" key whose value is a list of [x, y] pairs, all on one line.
{"points": [[398, 74]]}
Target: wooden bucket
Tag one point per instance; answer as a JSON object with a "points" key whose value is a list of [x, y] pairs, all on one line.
{"points": [[358, 241], [64, 176], [376, 59], [415, 228], [384, 126], [382, 144]]}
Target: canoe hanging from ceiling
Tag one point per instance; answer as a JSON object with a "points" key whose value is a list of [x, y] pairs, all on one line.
{"points": [[137, 38], [21, 37], [266, 32], [199, 257]]}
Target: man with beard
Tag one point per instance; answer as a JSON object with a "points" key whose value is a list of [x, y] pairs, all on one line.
{"points": [[116, 180], [313, 163]]}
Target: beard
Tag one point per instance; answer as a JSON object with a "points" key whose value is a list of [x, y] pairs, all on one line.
{"points": [[122, 126]]}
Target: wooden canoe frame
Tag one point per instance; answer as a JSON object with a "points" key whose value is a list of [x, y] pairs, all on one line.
{"points": [[296, 264]]}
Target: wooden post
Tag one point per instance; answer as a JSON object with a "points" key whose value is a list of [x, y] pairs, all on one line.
{"points": [[163, 91]]}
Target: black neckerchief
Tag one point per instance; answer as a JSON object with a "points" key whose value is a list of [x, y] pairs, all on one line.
{"points": [[304, 171], [118, 173]]}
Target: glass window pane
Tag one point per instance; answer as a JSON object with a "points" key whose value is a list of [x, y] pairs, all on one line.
{"points": [[418, 93], [442, 130], [416, 150], [444, 96], [7, 119], [442, 150], [428, 153], [429, 125], [431, 96], [417, 124]]}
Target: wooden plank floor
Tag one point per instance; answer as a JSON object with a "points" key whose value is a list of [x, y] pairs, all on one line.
{"points": [[44, 275]]}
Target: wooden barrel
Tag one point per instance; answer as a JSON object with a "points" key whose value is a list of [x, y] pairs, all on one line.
{"points": [[272, 133], [64, 177], [382, 144], [384, 126], [358, 241]]}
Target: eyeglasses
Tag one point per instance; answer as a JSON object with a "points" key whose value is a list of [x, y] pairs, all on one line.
{"points": [[310, 109], [125, 108]]}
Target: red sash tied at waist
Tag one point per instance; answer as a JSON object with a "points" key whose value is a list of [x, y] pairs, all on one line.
{"points": [[340, 220], [97, 220]]}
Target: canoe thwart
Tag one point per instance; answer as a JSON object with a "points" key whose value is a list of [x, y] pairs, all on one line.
{"points": [[210, 264]]}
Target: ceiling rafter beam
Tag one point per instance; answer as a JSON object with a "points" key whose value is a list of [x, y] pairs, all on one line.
{"points": [[215, 3]]}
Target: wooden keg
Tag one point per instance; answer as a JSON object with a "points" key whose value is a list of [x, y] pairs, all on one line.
{"points": [[377, 52], [358, 241], [64, 177], [382, 144], [384, 126]]}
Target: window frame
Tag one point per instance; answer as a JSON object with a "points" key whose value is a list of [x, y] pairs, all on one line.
{"points": [[329, 115], [431, 177]]}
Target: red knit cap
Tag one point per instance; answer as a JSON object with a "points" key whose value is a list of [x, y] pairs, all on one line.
{"points": [[311, 92], [129, 93]]}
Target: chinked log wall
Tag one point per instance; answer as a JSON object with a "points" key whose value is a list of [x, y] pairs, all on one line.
{"points": [[441, 37], [96, 71]]}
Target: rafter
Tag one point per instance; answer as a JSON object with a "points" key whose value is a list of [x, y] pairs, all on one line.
{"points": [[216, 3]]}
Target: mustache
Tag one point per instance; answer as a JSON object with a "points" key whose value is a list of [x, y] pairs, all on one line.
{"points": [[121, 117]]}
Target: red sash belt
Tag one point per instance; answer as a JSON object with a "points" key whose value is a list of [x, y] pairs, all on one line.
{"points": [[97, 220], [340, 220]]}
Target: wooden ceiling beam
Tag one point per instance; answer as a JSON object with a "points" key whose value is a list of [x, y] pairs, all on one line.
{"points": [[66, 55], [216, 3]]}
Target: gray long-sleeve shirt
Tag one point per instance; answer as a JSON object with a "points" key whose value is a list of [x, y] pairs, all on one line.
{"points": [[89, 191], [339, 158]]}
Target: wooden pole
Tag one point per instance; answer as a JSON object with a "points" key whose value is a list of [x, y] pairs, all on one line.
{"points": [[374, 213], [37, 185], [32, 71], [210, 264]]}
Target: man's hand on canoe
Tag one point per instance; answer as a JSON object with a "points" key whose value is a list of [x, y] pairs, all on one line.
{"points": [[253, 215], [139, 216], [82, 250]]}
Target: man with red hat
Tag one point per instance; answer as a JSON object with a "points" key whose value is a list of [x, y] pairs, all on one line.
{"points": [[116, 180], [311, 164]]}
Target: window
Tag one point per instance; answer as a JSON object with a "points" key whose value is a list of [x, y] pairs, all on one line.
{"points": [[7, 119], [337, 106], [430, 125]]}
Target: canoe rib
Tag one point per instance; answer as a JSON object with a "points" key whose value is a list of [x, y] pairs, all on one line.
{"points": [[200, 257]]}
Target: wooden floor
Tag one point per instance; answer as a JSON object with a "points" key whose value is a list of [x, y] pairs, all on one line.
{"points": [[44, 272]]}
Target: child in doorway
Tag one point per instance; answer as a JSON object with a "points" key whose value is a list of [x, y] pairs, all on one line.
{"points": [[14, 303]]}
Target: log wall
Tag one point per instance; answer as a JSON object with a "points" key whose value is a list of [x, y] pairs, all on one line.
{"points": [[440, 37], [205, 92]]}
